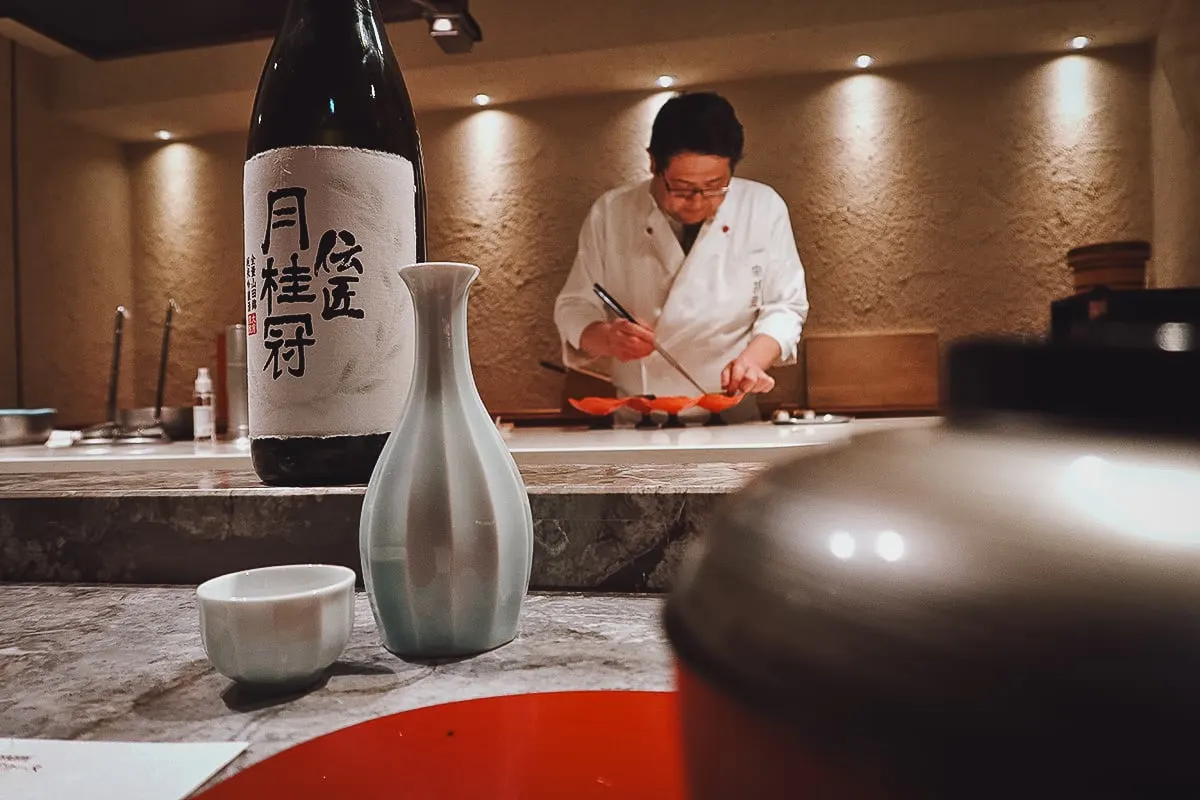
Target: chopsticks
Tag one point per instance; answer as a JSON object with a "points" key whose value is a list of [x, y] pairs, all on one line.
{"points": [[620, 311]]}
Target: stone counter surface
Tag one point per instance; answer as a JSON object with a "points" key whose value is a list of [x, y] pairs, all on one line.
{"points": [[126, 663], [596, 527], [565, 479]]}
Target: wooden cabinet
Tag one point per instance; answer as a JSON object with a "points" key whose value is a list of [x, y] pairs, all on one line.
{"points": [[872, 372]]}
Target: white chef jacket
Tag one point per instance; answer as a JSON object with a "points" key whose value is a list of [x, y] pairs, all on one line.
{"points": [[743, 277]]}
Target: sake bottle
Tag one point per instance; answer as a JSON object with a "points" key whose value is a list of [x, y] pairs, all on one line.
{"points": [[334, 203]]}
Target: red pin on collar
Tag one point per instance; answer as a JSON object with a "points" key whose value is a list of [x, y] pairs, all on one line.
{"points": [[724, 229]]}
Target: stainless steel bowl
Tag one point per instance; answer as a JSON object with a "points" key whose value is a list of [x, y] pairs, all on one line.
{"points": [[1010, 594], [176, 421], [21, 426]]}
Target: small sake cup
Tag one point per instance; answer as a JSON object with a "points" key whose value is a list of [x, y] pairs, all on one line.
{"points": [[277, 628]]}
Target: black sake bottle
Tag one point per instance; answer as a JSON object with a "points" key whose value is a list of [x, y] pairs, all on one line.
{"points": [[334, 197]]}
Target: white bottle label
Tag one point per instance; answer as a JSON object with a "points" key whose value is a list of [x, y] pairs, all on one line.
{"points": [[329, 323], [202, 422]]}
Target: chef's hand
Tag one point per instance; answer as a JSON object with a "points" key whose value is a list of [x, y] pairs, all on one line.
{"points": [[743, 376], [747, 374], [619, 339]]}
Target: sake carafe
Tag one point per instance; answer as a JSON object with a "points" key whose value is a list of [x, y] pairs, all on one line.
{"points": [[446, 533]]}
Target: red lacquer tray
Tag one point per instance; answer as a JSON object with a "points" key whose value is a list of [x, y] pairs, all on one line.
{"points": [[605, 744]]}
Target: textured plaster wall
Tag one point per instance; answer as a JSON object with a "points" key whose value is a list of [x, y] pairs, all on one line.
{"points": [[1175, 114], [515, 217], [508, 190], [940, 197], [74, 255], [8, 292], [187, 245], [946, 196], [1176, 193]]}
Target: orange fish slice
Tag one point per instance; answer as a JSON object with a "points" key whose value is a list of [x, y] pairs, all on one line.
{"points": [[716, 403], [672, 405], [597, 406]]}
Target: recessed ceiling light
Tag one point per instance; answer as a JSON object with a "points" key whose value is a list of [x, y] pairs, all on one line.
{"points": [[863, 61], [1080, 42], [442, 25], [664, 81], [163, 135], [481, 99]]}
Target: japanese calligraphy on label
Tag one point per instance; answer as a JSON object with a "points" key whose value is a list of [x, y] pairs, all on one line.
{"points": [[329, 323]]}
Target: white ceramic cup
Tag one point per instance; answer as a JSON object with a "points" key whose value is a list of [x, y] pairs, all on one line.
{"points": [[277, 627]]}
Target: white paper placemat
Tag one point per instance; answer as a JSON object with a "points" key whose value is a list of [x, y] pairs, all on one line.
{"points": [[40, 769]]}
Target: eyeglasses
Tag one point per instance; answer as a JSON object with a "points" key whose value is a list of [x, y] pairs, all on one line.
{"points": [[686, 194]]}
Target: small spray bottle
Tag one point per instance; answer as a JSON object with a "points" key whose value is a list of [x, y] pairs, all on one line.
{"points": [[203, 424]]}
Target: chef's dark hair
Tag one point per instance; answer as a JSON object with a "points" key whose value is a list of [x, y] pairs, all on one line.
{"points": [[696, 122]]}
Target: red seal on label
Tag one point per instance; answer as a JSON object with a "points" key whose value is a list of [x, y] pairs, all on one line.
{"points": [[252, 324]]}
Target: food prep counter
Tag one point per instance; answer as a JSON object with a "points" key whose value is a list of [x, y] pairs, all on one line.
{"points": [[750, 442]]}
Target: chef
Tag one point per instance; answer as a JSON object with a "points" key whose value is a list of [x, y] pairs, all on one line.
{"points": [[705, 262]]}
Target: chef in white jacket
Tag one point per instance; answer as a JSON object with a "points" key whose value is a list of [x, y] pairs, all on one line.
{"points": [[706, 262]]}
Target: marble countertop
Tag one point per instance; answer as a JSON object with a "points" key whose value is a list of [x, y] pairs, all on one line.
{"points": [[568, 479], [606, 528], [762, 442], [126, 664]]}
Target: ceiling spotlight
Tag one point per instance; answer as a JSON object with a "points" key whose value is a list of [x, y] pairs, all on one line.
{"points": [[481, 99], [863, 61], [664, 81], [1080, 42], [456, 32], [163, 136]]}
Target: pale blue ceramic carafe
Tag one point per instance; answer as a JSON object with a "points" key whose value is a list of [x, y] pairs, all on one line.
{"points": [[446, 533]]}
